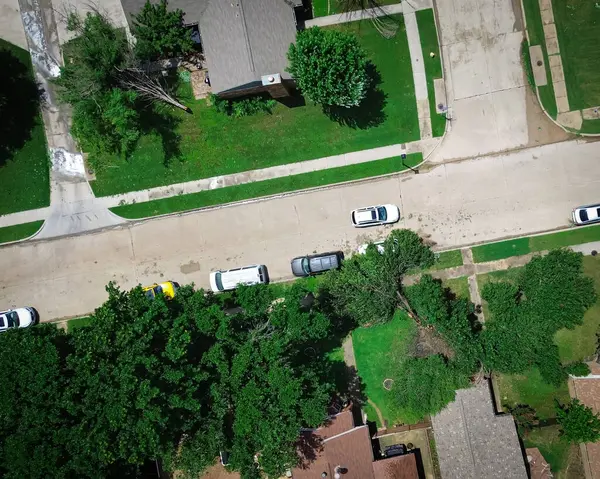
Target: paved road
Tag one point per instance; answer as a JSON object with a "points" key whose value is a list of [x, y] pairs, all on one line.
{"points": [[456, 204]]}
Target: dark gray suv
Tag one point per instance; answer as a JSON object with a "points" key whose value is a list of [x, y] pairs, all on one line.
{"points": [[316, 263]]}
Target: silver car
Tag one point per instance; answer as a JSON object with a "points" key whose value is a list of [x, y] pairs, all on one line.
{"points": [[586, 215]]}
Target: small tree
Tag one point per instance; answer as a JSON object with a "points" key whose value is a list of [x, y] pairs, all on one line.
{"points": [[578, 422], [329, 66], [525, 418], [160, 33]]}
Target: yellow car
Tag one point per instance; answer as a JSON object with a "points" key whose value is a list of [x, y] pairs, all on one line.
{"points": [[168, 288]]}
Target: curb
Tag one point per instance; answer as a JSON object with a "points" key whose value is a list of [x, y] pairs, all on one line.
{"points": [[537, 93]]}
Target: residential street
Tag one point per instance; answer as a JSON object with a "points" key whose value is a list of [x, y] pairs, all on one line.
{"points": [[456, 204]]}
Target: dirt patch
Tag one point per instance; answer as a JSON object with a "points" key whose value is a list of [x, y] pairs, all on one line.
{"points": [[190, 267], [428, 342], [541, 129]]}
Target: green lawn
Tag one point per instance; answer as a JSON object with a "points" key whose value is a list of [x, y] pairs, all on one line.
{"points": [[433, 66], [577, 24], [267, 187], [529, 388], [459, 286], [24, 168], [78, 323], [532, 244], [19, 232], [379, 352], [447, 259], [215, 144], [322, 8], [590, 126], [564, 459], [536, 37]]}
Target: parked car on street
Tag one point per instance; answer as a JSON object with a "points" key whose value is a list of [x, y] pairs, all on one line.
{"points": [[586, 215], [316, 263], [230, 279], [375, 215], [168, 288], [18, 318]]}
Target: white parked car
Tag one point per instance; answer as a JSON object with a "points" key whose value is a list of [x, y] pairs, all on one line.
{"points": [[18, 318], [375, 215], [586, 215], [230, 279]]}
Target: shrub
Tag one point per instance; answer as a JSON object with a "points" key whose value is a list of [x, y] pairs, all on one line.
{"points": [[242, 107], [577, 422], [577, 369]]}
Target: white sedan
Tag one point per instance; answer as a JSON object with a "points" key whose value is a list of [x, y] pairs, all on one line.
{"points": [[375, 215], [18, 318], [586, 215]]}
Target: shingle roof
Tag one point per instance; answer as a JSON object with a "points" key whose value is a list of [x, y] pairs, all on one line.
{"points": [[399, 467], [246, 39], [473, 442]]}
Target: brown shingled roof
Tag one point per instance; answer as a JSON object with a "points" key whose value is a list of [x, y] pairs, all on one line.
{"points": [[399, 467]]}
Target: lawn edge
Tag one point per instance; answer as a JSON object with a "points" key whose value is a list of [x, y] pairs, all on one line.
{"points": [[274, 196], [26, 238]]}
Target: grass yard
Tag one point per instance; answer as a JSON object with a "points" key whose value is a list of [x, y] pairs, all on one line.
{"points": [[531, 389], [577, 24], [322, 8], [267, 187], [535, 30], [24, 162], [564, 459], [590, 126], [19, 232], [433, 66], [447, 259], [532, 244], [379, 351], [73, 324], [459, 286], [215, 144]]}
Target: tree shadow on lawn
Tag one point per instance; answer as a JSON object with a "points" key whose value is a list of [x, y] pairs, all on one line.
{"points": [[159, 120], [370, 113], [19, 105]]}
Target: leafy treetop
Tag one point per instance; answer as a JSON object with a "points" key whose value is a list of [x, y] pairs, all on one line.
{"points": [[577, 422]]}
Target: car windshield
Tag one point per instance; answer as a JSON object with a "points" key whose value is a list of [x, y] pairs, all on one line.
{"points": [[12, 319], [305, 267], [218, 281], [150, 294], [583, 215], [382, 213]]}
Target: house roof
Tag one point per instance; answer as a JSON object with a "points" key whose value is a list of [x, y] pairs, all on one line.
{"points": [[244, 40], [350, 450], [474, 442], [398, 467], [538, 467]]}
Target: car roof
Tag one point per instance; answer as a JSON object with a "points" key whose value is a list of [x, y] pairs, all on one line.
{"points": [[593, 212], [365, 215]]}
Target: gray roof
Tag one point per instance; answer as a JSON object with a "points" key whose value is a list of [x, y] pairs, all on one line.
{"points": [[246, 39], [473, 442], [242, 39]]}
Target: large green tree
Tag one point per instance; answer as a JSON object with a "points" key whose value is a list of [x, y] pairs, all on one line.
{"points": [[329, 66], [577, 422], [160, 33], [551, 293], [368, 287]]}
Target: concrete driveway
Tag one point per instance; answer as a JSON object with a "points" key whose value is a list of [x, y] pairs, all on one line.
{"points": [[454, 204], [480, 42]]}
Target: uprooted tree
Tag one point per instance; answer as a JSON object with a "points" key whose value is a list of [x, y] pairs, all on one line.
{"points": [[107, 88]]}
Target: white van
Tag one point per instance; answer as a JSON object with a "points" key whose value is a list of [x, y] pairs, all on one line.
{"points": [[230, 279]]}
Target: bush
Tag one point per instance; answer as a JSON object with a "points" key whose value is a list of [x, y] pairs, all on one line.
{"points": [[577, 369], [577, 422], [242, 107], [329, 66]]}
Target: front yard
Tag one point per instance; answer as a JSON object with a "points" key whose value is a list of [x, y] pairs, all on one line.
{"points": [[24, 162], [213, 144], [322, 8]]}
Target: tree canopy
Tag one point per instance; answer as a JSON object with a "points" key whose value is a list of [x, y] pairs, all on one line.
{"points": [[329, 66], [550, 294], [175, 380], [577, 422], [160, 33]]}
